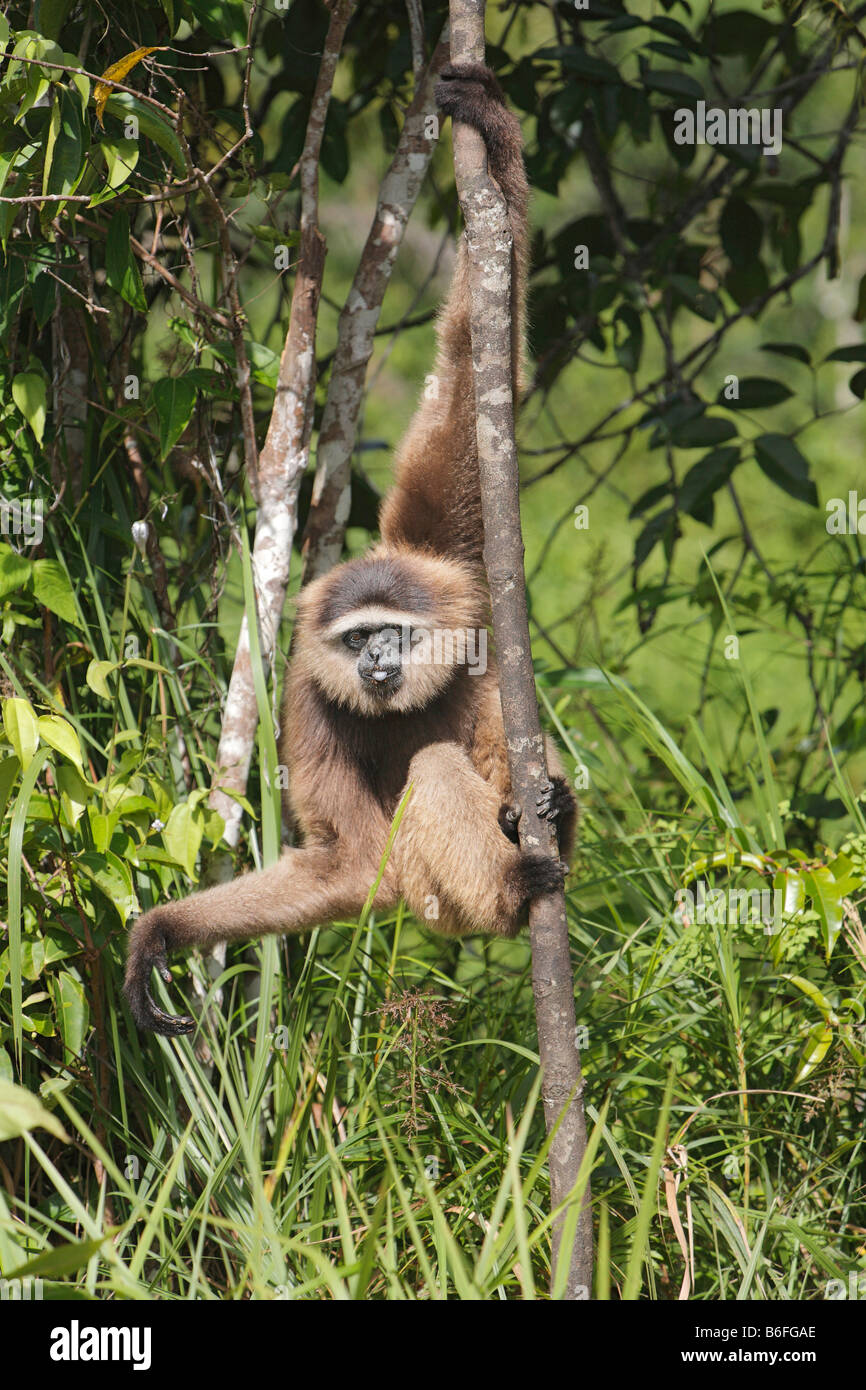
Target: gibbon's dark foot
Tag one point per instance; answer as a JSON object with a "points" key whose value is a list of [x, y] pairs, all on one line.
{"points": [[538, 874], [554, 803], [469, 92], [556, 800], [147, 950]]}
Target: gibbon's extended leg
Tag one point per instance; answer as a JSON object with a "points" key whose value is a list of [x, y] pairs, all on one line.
{"points": [[305, 888], [483, 883]]}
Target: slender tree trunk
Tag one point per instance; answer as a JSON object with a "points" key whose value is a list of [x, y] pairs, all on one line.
{"points": [[489, 243]]}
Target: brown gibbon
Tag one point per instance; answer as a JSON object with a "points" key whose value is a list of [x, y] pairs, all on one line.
{"points": [[387, 685]]}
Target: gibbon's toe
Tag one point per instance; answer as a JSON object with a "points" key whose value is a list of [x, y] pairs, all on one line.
{"points": [[147, 951], [509, 817]]}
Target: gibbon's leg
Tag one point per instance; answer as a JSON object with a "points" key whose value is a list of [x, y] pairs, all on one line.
{"points": [[450, 845], [305, 888]]}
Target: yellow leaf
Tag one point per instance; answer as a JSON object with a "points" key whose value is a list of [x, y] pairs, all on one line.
{"points": [[116, 73]]}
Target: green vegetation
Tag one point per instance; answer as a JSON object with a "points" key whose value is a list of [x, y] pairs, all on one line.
{"points": [[358, 1117]]}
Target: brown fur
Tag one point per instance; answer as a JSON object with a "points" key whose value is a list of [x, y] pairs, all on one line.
{"points": [[361, 726]]}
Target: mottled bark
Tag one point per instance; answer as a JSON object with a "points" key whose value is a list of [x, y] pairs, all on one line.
{"points": [[489, 240], [326, 525], [285, 453]]}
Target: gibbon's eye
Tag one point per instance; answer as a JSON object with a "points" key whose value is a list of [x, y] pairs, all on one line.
{"points": [[356, 640]]}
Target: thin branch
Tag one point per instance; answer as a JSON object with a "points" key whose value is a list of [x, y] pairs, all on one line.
{"points": [[489, 245]]}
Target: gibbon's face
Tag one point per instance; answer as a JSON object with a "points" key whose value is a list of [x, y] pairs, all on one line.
{"points": [[387, 633]]}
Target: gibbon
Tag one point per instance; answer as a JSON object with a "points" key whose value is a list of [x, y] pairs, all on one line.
{"points": [[385, 688]]}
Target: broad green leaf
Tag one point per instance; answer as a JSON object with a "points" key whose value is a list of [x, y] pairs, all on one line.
{"points": [[59, 734], [95, 677], [21, 1112], [756, 392], [827, 895], [29, 394], [14, 571], [121, 270], [64, 153], [174, 398], [121, 157], [50, 15], [113, 877], [9, 769], [150, 123], [818, 1043], [71, 1010], [20, 727], [52, 588], [182, 835], [821, 1002], [74, 790], [783, 463]]}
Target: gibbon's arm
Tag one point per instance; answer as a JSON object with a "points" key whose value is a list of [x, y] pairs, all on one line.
{"points": [[303, 889], [435, 503]]}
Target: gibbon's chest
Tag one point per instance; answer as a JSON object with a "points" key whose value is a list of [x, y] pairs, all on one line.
{"points": [[366, 760]]}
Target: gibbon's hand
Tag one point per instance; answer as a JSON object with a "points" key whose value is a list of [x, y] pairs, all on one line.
{"points": [[147, 950]]}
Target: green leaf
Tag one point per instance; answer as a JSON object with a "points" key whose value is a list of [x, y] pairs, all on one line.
{"points": [[21, 1112], [672, 83], [121, 270], [9, 769], [64, 152], [112, 876], [755, 392], [857, 384], [20, 727], [29, 394], [60, 735], [52, 588], [827, 894], [703, 432], [150, 123], [74, 789], [121, 157], [854, 352], [783, 463], [182, 835], [741, 231], [71, 1010], [50, 16], [14, 571], [818, 1043], [174, 398], [95, 677], [789, 350]]}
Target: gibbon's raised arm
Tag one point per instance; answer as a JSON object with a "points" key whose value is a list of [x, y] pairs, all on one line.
{"points": [[390, 686], [436, 500]]}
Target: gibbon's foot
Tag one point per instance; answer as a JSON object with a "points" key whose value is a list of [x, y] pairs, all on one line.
{"points": [[469, 92], [553, 803], [555, 800], [147, 950], [538, 874]]}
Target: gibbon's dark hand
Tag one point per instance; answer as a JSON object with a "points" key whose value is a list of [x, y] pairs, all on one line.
{"points": [[147, 951]]}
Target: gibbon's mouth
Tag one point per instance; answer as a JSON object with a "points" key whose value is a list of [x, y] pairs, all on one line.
{"points": [[384, 680]]}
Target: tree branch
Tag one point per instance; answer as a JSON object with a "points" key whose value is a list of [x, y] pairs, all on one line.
{"points": [[488, 237]]}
